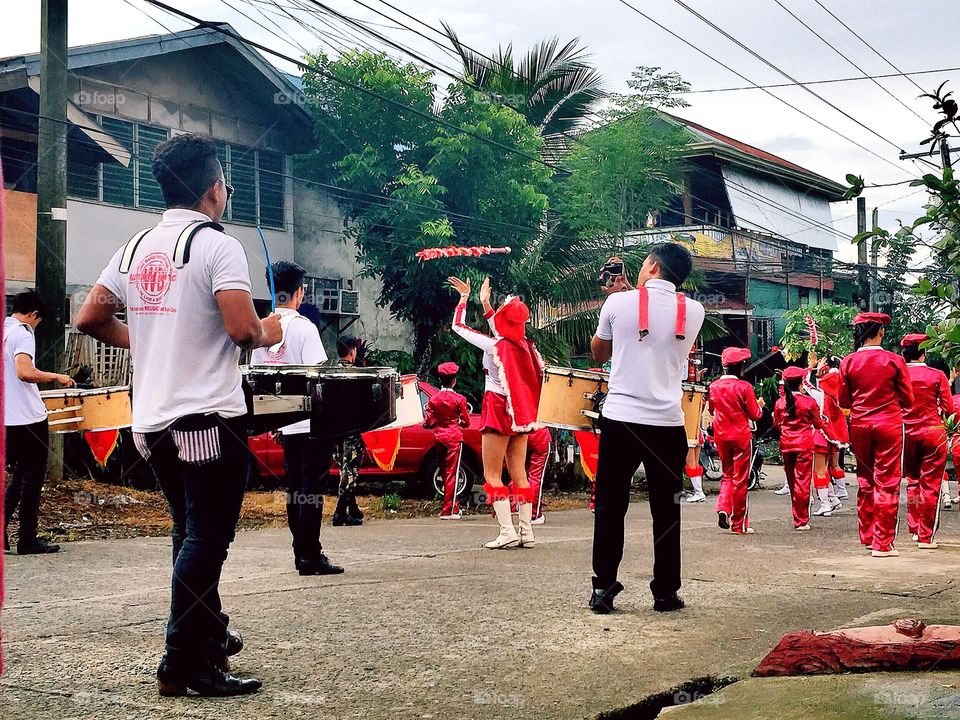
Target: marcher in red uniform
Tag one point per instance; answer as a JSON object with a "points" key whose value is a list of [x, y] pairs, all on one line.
{"points": [[797, 415], [733, 405], [447, 415], [836, 432], [925, 441], [538, 451], [876, 387], [823, 444]]}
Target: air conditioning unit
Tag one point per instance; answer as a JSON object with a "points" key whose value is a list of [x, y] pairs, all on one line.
{"points": [[349, 302]]}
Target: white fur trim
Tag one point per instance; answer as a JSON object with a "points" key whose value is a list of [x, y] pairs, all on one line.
{"points": [[535, 425]]}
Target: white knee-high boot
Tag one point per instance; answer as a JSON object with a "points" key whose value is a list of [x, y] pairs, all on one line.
{"points": [[500, 500]]}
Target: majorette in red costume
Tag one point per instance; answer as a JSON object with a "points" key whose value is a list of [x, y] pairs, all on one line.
{"points": [[797, 416], [826, 446], [733, 405], [925, 441], [875, 386], [447, 415], [513, 370]]}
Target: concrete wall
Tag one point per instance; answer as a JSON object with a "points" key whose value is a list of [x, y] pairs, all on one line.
{"points": [[321, 248]]}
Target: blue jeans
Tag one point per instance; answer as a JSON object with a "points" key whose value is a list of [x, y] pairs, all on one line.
{"points": [[204, 502]]}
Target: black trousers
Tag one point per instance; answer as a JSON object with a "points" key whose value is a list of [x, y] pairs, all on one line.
{"points": [[661, 451], [307, 462], [27, 450], [204, 502]]}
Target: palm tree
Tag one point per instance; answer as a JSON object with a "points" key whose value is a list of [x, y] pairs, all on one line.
{"points": [[553, 87]]}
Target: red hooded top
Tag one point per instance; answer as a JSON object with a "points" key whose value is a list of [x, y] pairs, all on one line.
{"points": [[875, 386], [733, 404], [836, 429], [796, 433], [931, 397], [447, 414]]}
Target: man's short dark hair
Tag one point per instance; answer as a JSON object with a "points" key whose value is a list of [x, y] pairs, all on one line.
{"points": [[287, 279], [674, 260], [345, 344], [912, 353], [186, 166], [27, 302]]}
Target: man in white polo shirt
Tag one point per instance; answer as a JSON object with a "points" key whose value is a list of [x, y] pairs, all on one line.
{"points": [[647, 335], [190, 312], [25, 418]]}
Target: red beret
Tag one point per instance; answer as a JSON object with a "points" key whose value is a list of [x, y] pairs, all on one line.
{"points": [[876, 317], [734, 355], [792, 372], [913, 339], [448, 368]]}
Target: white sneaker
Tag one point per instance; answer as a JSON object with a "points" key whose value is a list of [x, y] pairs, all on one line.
{"points": [[823, 511], [538, 521], [785, 490], [885, 553], [696, 498], [947, 503], [455, 516], [932, 545], [915, 537], [802, 528]]}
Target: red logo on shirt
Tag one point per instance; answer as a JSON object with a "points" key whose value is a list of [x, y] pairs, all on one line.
{"points": [[153, 278]]}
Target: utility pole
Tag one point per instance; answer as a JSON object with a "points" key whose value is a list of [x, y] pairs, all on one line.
{"points": [[874, 259], [945, 153], [51, 254], [862, 251]]}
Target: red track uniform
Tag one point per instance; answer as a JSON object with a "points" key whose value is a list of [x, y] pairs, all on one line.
{"points": [[796, 446], [733, 405], [538, 450], [876, 387], [448, 414], [925, 448]]}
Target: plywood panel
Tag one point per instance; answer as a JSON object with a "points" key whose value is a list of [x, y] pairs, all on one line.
{"points": [[20, 235]]}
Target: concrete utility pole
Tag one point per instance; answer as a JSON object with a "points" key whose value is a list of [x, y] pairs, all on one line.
{"points": [[52, 200], [862, 250], [52, 183]]}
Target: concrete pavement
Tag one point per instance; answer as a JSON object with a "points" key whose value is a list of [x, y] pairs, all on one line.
{"points": [[427, 624]]}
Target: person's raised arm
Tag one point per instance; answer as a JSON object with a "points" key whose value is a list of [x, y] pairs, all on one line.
{"points": [[460, 327], [98, 318], [242, 324]]}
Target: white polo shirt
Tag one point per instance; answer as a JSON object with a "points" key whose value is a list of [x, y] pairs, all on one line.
{"points": [[21, 400], [300, 345], [184, 362], [646, 376]]}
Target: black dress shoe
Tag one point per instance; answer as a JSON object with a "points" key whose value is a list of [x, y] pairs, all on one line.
{"points": [[319, 566], [668, 604], [210, 681], [723, 520], [39, 546], [233, 643], [345, 519], [601, 600], [353, 510]]}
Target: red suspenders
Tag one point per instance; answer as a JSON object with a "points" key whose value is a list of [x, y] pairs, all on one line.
{"points": [[680, 327]]}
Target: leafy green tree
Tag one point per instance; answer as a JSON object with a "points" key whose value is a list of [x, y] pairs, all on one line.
{"points": [[834, 330]]}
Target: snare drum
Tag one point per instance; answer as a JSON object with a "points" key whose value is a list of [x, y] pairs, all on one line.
{"points": [[278, 395], [570, 399], [95, 409], [692, 404], [409, 407]]}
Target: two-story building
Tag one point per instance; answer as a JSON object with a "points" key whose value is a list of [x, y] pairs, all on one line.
{"points": [[128, 96]]}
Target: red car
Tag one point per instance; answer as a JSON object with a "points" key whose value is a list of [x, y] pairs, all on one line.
{"points": [[417, 459]]}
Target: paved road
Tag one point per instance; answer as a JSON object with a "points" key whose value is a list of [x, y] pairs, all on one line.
{"points": [[427, 624]]}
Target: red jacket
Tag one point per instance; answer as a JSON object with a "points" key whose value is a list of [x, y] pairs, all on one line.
{"points": [[931, 397], [875, 386], [733, 404], [796, 433], [448, 414]]}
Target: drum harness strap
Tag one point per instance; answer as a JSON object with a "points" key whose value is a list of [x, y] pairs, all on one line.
{"points": [[181, 250], [680, 328]]}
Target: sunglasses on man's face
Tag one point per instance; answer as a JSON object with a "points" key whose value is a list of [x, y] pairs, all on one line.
{"points": [[228, 188]]}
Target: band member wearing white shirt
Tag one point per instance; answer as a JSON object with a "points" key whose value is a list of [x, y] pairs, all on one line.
{"points": [[306, 459], [25, 418], [186, 287], [647, 333]]}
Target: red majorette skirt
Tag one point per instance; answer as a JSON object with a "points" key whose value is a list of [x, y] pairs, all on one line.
{"points": [[494, 417]]}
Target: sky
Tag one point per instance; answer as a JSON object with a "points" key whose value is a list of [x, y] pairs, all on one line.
{"points": [[619, 40]]}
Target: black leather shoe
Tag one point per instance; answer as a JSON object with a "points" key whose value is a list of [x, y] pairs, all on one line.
{"points": [[345, 519], [210, 681], [233, 643], [601, 600], [668, 604], [723, 520], [319, 566], [353, 510], [38, 547]]}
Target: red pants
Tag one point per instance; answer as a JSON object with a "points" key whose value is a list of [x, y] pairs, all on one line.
{"points": [[798, 467], [536, 464], [924, 460], [735, 461], [879, 452], [450, 454]]}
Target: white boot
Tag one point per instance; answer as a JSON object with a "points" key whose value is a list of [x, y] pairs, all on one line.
{"points": [[526, 527], [785, 490], [698, 494], [945, 494], [834, 500], [508, 535], [824, 510], [840, 487]]}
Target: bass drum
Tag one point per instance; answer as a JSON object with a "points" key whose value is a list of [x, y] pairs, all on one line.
{"points": [[346, 401]]}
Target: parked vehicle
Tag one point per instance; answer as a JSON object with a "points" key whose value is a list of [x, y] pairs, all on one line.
{"points": [[417, 461]]}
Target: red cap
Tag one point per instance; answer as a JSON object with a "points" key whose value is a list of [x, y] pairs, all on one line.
{"points": [[511, 319], [448, 369], [734, 355], [913, 339], [792, 372], [876, 317]]}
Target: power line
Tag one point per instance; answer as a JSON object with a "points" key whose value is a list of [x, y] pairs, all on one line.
{"points": [[862, 71], [819, 82]]}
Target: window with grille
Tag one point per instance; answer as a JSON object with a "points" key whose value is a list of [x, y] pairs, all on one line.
{"points": [[763, 330]]}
